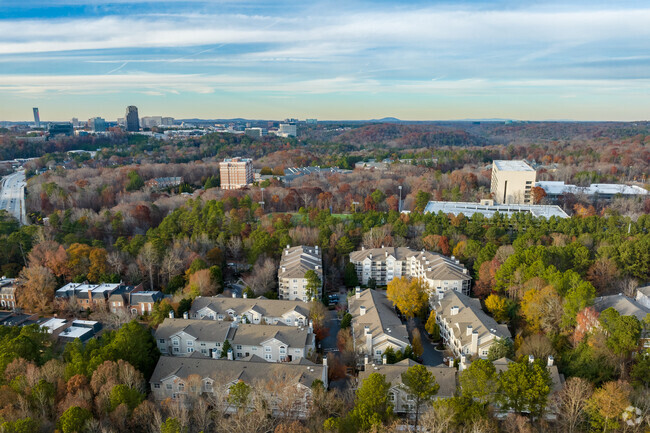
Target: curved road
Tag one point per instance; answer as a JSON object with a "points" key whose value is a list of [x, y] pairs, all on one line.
{"points": [[12, 196]]}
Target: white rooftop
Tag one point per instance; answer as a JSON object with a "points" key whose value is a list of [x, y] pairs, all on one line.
{"points": [[469, 209], [53, 324], [75, 332], [514, 165], [557, 188], [85, 322]]}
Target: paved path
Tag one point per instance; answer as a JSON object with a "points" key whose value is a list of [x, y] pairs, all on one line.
{"points": [[334, 325], [12, 196], [430, 356]]}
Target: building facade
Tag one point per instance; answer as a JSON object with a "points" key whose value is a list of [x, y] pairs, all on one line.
{"points": [[7, 293], [512, 182], [439, 272], [131, 119], [256, 311], [464, 326], [287, 130], [295, 263], [236, 173]]}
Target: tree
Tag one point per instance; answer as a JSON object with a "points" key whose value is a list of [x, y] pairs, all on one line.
{"points": [[571, 403], [135, 181], [602, 274], [171, 425], [264, 275], [524, 386], [350, 277], [607, 404], [122, 394], [318, 316], [98, 265], [371, 406], [502, 348], [346, 321], [498, 307], [416, 342], [134, 344], [148, 260], [623, 334], [239, 394], [542, 309], [577, 298], [313, 284], [479, 381], [537, 345], [537, 193], [225, 348], [38, 286], [74, 420], [409, 297], [422, 198], [420, 384], [432, 326]]}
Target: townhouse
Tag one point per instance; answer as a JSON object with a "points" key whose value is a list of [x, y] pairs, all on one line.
{"points": [[7, 293], [439, 272], [273, 343], [295, 263], [287, 387], [143, 302], [375, 325], [465, 328], [256, 311], [86, 295], [402, 402]]}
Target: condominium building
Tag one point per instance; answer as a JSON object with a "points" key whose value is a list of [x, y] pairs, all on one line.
{"points": [[375, 326], [295, 263], [286, 387], [439, 272], [256, 311], [236, 173], [7, 293], [464, 326], [512, 182]]}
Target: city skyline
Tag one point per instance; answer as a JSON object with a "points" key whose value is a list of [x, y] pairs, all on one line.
{"points": [[411, 60]]}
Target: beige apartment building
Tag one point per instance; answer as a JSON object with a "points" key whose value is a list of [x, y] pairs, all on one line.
{"points": [[512, 182], [295, 263], [236, 173]]}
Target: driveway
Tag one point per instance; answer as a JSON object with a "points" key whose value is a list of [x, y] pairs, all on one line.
{"points": [[430, 356], [328, 344]]}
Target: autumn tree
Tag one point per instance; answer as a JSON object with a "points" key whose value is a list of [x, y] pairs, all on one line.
{"points": [[572, 402], [542, 309], [421, 386], [603, 274], [432, 327], [499, 307], [416, 342], [408, 296], [607, 404], [313, 284], [38, 287]]}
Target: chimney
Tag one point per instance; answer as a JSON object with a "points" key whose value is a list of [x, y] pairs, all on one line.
{"points": [[311, 327], [474, 344], [365, 360], [384, 360], [370, 256], [286, 252], [186, 315], [363, 248], [453, 258], [464, 270], [284, 269], [463, 363], [245, 295], [357, 292], [362, 310], [325, 361], [316, 267], [216, 354], [171, 314], [531, 358], [549, 361], [451, 362], [382, 245], [288, 246], [386, 253], [230, 355], [369, 342], [454, 310], [234, 295], [469, 330], [316, 248]]}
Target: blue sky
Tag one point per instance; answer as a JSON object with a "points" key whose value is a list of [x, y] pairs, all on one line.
{"points": [[326, 59]]}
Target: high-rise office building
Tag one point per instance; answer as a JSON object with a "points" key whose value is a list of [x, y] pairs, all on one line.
{"points": [[287, 130], [37, 117], [512, 182], [236, 173], [132, 119], [97, 124]]}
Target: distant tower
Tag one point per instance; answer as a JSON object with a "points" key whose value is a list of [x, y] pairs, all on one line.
{"points": [[131, 118], [37, 118]]}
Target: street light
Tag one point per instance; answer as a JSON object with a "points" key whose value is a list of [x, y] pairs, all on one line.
{"points": [[262, 202], [399, 205]]}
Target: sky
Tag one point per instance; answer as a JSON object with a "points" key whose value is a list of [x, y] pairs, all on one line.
{"points": [[335, 60]]}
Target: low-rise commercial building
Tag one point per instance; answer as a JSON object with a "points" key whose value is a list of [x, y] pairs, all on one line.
{"points": [[294, 264], [464, 327], [597, 191], [439, 272], [488, 209]]}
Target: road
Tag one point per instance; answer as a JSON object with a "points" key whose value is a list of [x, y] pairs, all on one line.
{"points": [[12, 196], [430, 355]]}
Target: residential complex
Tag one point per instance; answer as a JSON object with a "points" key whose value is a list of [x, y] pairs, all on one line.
{"points": [[164, 182], [288, 385], [236, 173], [440, 272], [512, 182], [375, 326], [273, 343], [294, 264], [7, 293], [256, 311], [464, 326]]}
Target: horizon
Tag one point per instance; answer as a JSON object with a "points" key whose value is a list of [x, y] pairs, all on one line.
{"points": [[580, 61]]}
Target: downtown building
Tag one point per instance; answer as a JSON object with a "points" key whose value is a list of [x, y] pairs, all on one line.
{"points": [[236, 173], [131, 119]]}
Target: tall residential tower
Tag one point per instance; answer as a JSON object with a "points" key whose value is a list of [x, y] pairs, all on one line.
{"points": [[131, 119]]}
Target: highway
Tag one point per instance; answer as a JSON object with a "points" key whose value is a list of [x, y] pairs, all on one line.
{"points": [[12, 196]]}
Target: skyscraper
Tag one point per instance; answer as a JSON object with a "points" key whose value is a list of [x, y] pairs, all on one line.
{"points": [[132, 119], [37, 117]]}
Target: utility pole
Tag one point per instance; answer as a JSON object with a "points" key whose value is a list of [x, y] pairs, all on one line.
{"points": [[399, 205]]}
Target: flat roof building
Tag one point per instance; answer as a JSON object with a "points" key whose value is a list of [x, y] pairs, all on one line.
{"points": [[604, 191], [132, 120], [488, 209], [512, 182], [236, 173]]}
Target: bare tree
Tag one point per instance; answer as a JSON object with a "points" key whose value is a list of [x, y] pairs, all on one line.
{"points": [[438, 419], [263, 276], [172, 263], [234, 246], [377, 236], [148, 260], [571, 402]]}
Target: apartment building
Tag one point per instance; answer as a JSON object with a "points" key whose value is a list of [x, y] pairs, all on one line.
{"points": [[287, 387], [236, 173], [465, 328], [375, 326], [440, 272], [7, 293], [273, 343], [256, 311], [402, 402], [512, 182], [295, 263]]}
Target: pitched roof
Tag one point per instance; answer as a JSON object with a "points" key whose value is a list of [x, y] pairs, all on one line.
{"points": [[224, 371], [645, 290], [440, 267], [445, 376], [254, 335], [266, 307], [380, 317], [557, 379], [621, 303], [469, 314], [149, 296], [298, 260], [207, 330]]}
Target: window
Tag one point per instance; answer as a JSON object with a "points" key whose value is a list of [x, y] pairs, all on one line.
{"points": [[169, 386], [208, 386], [175, 342], [378, 352], [283, 350], [161, 341], [181, 386], [391, 397], [296, 350], [238, 354], [267, 348], [204, 351], [289, 320], [156, 385], [176, 349], [190, 349], [268, 356], [218, 344], [239, 347], [190, 343]]}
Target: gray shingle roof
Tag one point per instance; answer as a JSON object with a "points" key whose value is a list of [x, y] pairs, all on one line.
{"points": [[252, 335], [298, 260], [207, 330], [266, 307], [621, 303], [225, 371], [380, 316]]}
